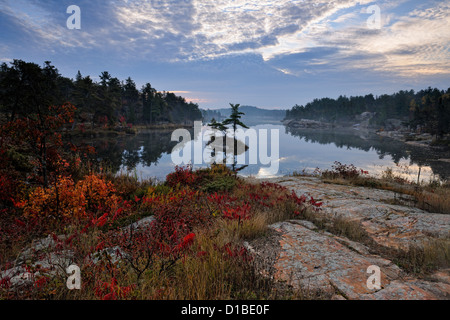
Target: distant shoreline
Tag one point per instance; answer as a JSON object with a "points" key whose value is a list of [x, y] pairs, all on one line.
{"points": [[111, 132], [414, 139]]}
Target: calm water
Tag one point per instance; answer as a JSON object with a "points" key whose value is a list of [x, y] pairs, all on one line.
{"points": [[148, 154]]}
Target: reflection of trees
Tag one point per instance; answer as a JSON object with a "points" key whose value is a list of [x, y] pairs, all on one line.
{"points": [[383, 146], [144, 148], [131, 158], [147, 148]]}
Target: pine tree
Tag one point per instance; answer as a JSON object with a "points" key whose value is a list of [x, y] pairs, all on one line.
{"points": [[235, 118]]}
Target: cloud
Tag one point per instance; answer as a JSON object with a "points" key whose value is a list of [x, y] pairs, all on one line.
{"points": [[345, 17], [412, 45], [38, 23], [416, 44], [6, 60], [207, 30], [317, 35]]}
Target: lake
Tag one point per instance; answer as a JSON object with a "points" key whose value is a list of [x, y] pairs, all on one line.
{"points": [[148, 154]]}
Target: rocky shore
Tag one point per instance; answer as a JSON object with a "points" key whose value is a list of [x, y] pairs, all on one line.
{"points": [[308, 124], [302, 255], [308, 258], [394, 129]]}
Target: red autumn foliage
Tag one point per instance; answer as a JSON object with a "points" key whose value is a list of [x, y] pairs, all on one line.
{"points": [[233, 251], [111, 290], [181, 176], [92, 204]]}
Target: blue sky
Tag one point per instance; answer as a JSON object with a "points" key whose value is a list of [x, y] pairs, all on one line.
{"points": [[271, 54]]}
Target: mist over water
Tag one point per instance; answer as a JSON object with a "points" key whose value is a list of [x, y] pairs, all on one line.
{"points": [[148, 154]]}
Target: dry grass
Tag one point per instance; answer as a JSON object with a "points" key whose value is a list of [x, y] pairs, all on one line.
{"points": [[425, 257], [421, 258], [437, 200], [233, 230], [337, 225], [214, 276], [211, 275], [258, 223], [432, 197], [349, 228]]}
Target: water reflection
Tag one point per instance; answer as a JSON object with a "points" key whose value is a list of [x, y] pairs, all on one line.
{"points": [[404, 156], [148, 153], [129, 152]]}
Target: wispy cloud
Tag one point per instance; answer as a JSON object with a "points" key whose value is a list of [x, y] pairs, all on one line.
{"points": [[409, 45], [296, 37], [42, 26], [6, 60], [206, 29], [415, 44]]}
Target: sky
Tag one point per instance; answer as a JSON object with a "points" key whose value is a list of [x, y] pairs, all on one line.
{"points": [[267, 53]]}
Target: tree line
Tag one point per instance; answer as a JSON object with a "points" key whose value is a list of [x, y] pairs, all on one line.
{"points": [[27, 88], [427, 110]]}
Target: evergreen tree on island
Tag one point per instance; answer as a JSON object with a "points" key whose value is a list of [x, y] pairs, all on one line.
{"points": [[235, 120]]}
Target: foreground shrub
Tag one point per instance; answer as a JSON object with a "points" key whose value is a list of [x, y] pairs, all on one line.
{"points": [[343, 171], [62, 200], [192, 249], [181, 176], [67, 200]]}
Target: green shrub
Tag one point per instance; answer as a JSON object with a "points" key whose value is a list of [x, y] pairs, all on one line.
{"points": [[225, 183]]}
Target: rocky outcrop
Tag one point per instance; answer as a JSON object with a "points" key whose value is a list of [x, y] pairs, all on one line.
{"points": [[304, 256], [43, 257], [318, 260], [307, 124], [364, 120]]}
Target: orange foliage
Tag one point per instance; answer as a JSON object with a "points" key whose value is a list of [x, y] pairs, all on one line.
{"points": [[65, 199], [99, 194], [60, 200]]}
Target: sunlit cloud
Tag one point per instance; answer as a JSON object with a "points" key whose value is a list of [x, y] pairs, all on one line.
{"points": [[415, 44], [412, 45], [180, 92], [287, 71], [261, 41], [194, 29], [209, 30], [345, 17], [200, 100], [194, 97]]}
